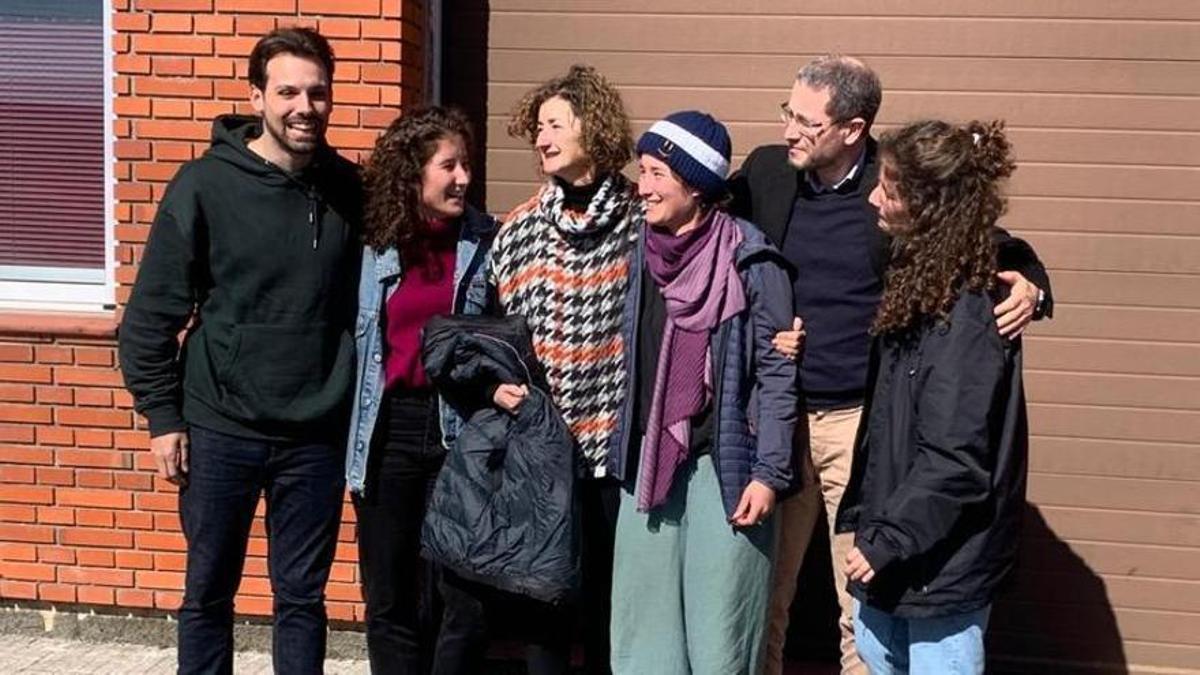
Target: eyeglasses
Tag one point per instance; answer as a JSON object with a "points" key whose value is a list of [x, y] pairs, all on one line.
{"points": [[814, 129]]}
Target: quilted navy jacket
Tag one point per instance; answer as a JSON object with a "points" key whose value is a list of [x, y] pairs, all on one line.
{"points": [[755, 387]]}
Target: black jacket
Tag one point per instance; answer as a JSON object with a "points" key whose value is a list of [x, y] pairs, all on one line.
{"points": [[939, 470], [503, 508], [266, 263], [765, 188]]}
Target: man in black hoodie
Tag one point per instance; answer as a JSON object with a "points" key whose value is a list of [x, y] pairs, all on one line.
{"points": [[255, 252]]}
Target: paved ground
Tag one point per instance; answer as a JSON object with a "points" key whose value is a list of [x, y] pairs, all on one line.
{"points": [[43, 656], [33, 655]]}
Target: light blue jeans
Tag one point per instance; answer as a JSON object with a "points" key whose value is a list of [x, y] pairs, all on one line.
{"points": [[889, 644]]}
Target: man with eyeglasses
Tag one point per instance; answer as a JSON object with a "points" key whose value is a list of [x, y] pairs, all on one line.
{"points": [[810, 198]]}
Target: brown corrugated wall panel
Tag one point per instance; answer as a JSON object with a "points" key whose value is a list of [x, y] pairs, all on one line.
{"points": [[1102, 98]]}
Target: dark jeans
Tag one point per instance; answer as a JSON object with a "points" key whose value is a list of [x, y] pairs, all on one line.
{"points": [[304, 486], [410, 629]]}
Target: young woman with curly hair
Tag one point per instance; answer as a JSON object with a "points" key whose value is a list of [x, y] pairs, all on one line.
{"points": [[938, 479], [425, 254], [562, 261]]}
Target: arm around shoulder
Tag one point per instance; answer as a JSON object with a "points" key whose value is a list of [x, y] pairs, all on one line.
{"points": [[1014, 254]]}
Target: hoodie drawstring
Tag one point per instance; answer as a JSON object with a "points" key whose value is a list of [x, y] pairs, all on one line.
{"points": [[312, 217]]}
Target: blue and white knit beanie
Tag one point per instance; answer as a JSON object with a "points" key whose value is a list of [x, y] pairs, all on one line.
{"points": [[695, 145]]}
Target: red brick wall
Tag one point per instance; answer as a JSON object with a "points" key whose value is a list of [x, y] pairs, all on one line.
{"points": [[83, 519]]}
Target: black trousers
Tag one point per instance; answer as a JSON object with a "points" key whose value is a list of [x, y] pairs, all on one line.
{"points": [[421, 619], [546, 630], [599, 498], [412, 626]]}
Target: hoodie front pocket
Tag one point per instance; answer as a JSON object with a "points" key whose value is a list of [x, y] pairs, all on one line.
{"points": [[289, 373]]}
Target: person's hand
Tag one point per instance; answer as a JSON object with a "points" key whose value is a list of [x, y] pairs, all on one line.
{"points": [[508, 397], [857, 567], [757, 502], [1015, 313], [790, 342], [170, 452]]}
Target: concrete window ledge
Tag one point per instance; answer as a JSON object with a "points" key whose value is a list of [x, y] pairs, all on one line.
{"points": [[101, 325]]}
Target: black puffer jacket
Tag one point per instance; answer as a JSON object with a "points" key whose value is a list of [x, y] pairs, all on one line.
{"points": [[503, 508]]}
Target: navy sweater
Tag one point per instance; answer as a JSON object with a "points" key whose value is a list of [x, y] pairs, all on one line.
{"points": [[837, 286]]}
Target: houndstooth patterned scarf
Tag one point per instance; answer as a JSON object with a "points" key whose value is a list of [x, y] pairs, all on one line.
{"points": [[567, 273]]}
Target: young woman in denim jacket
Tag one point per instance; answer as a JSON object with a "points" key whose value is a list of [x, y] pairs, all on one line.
{"points": [[425, 254]]}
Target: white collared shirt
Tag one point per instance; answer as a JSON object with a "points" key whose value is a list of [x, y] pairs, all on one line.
{"points": [[815, 183]]}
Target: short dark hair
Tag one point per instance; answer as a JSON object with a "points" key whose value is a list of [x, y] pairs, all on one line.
{"points": [[854, 89], [297, 41]]}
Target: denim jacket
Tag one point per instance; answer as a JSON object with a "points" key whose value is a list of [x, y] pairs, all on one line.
{"points": [[381, 274]]}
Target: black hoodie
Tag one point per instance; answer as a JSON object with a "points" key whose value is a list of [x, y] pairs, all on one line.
{"points": [[266, 262]]}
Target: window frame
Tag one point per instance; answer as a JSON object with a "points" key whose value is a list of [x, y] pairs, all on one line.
{"points": [[71, 289]]}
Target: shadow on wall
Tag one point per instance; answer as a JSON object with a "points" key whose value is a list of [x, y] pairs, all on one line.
{"points": [[464, 79], [1055, 616]]}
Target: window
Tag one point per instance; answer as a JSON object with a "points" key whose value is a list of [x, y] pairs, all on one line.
{"points": [[55, 144]]}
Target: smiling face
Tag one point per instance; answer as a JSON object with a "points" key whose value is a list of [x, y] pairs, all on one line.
{"points": [[670, 203], [444, 180], [559, 143], [893, 213], [295, 104]]}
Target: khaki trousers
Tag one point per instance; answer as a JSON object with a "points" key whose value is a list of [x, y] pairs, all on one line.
{"points": [[831, 439]]}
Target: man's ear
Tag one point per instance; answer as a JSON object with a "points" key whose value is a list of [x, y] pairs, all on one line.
{"points": [[256, 99], [855, 129]]}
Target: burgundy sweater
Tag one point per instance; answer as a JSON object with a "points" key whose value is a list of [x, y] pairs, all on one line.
{"points": [[425, 290]]}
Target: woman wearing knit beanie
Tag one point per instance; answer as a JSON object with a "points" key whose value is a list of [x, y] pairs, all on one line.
{"points": [[561, 260], [705, 441]]}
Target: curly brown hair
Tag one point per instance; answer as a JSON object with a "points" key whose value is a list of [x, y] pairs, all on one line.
{"points": [[949, 179], [393, 174], [607, 137]]}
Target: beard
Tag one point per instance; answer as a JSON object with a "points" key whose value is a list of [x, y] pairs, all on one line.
{"points": [[802, 163], [809, 161], [277, 128]]}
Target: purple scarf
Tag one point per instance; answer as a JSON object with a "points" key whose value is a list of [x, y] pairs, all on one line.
{"points": [[697, 276]]}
